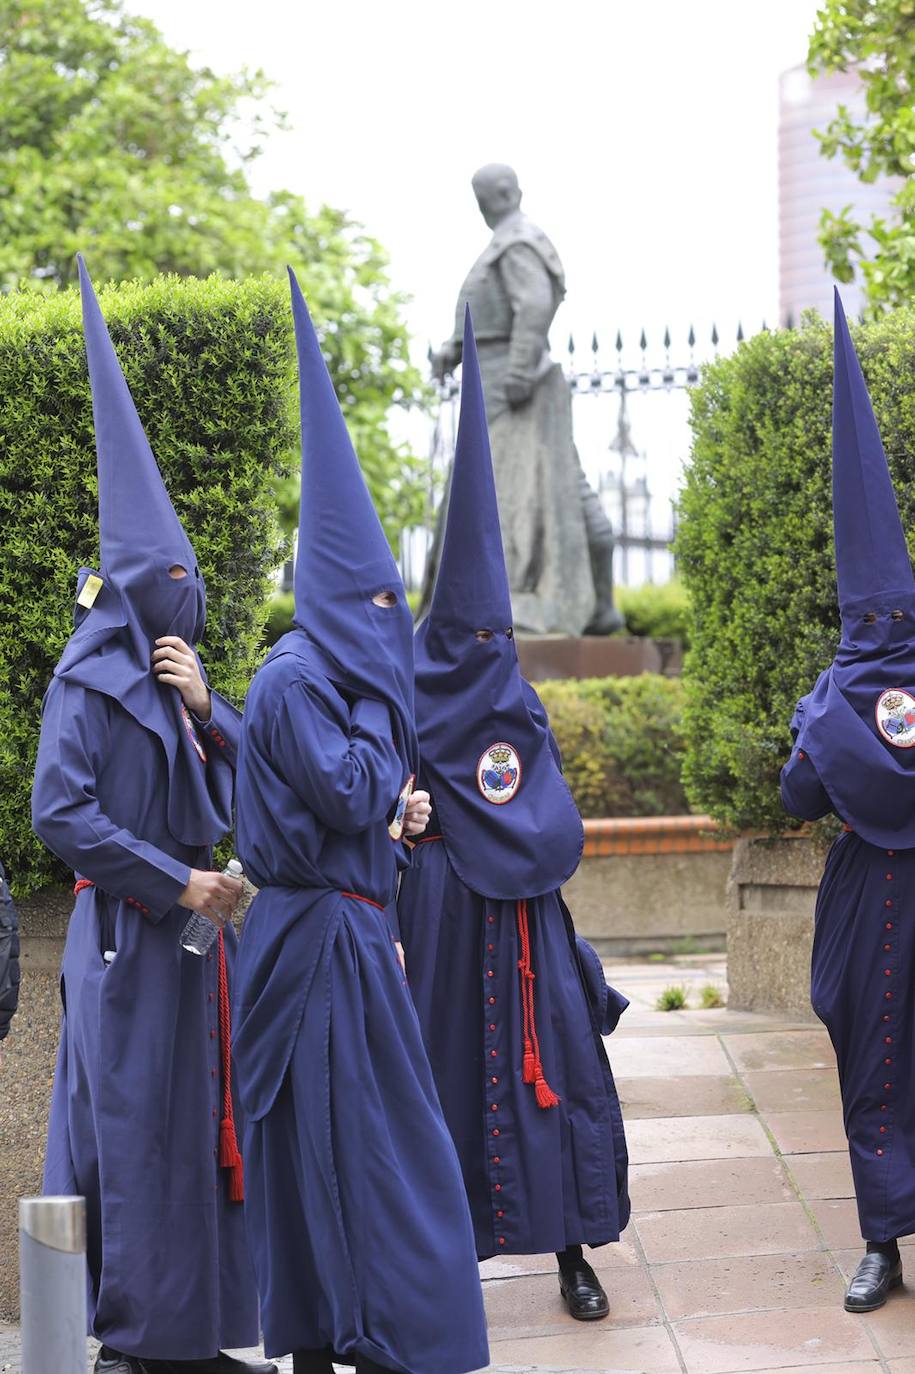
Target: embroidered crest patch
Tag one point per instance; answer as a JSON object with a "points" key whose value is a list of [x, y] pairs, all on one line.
{"points": [[192, 733], [499, 773], [895, 714]]}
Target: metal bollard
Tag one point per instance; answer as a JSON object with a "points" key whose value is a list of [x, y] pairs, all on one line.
{"points": [[52, 1284]]}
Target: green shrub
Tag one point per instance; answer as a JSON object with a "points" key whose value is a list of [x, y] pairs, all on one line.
{"points": [[622, 742], [656, 610], [755, 548], [211, 367]]}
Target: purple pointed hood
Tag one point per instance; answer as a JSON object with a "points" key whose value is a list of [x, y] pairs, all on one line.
{"points": [[132, 599], [489, 758], [872, 560], [343, 558], [857, 726]]}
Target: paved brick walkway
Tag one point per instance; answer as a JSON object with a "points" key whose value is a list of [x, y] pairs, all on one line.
{"points": [[744, 1227]]}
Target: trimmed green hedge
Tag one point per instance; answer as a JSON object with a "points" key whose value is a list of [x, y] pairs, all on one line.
{"points": [[755, 548], [212, 371], [622, 742], [656, 610]]}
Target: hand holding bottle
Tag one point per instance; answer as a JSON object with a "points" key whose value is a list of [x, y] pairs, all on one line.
{"points": [[212, 897]]}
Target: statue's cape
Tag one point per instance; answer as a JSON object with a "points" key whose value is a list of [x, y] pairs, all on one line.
{"points": [[519, 229]]}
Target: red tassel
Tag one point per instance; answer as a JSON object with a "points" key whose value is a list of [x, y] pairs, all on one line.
{"points": [[528, 1073], [230, 1159], [228, 1144], [543, 1092], [229, 1154], [532, 1069]]}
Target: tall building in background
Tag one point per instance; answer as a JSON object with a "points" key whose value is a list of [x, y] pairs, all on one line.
{"points": [[809, 183]]}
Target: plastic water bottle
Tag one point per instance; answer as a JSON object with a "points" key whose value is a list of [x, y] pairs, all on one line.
{"points": [[200, 932]]}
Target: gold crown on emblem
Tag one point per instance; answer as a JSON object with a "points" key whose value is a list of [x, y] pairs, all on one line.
{"points": [[500, 754], [892, 700]]}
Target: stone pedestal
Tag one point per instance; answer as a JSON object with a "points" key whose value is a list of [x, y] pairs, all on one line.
{"points": [[551, 656], [771, 898]]}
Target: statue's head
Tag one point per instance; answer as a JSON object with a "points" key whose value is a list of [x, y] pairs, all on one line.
{"points": [[497, 191]]}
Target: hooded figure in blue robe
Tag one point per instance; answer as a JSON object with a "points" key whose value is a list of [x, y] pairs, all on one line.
{"points": [[356, 1211], [512, 1005], [132, 791], [853, 756]]}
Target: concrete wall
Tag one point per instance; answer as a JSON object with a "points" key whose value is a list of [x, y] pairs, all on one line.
{"points": [[771, 898], [640, 903]]}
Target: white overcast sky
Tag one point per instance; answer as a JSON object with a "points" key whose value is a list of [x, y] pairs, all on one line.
{"points": [[644, 135]]}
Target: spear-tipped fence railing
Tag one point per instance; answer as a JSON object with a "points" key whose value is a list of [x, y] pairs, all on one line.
{"points": [[647, 376]]}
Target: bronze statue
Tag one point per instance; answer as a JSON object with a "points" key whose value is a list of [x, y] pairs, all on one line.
{"points": [[558, 541]]}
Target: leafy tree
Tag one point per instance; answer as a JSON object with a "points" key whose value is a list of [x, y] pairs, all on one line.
{"points": [[877, 37], [113, 143]]}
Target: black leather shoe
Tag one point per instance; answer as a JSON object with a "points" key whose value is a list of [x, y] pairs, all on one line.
{"points": [[313, 1362], [584, 1297], [872, 1282], [223, 1364], [110, 1362]]}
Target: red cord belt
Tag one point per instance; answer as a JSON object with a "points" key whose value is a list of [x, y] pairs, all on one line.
{"points": [[368, 901], [229, 1153], [532, 1064]]}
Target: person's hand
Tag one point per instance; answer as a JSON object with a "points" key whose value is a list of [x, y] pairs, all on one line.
{"points": [[417, 814], [214, 895], [445, 361], [401, 957], [518, 389], [174, 663]]}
